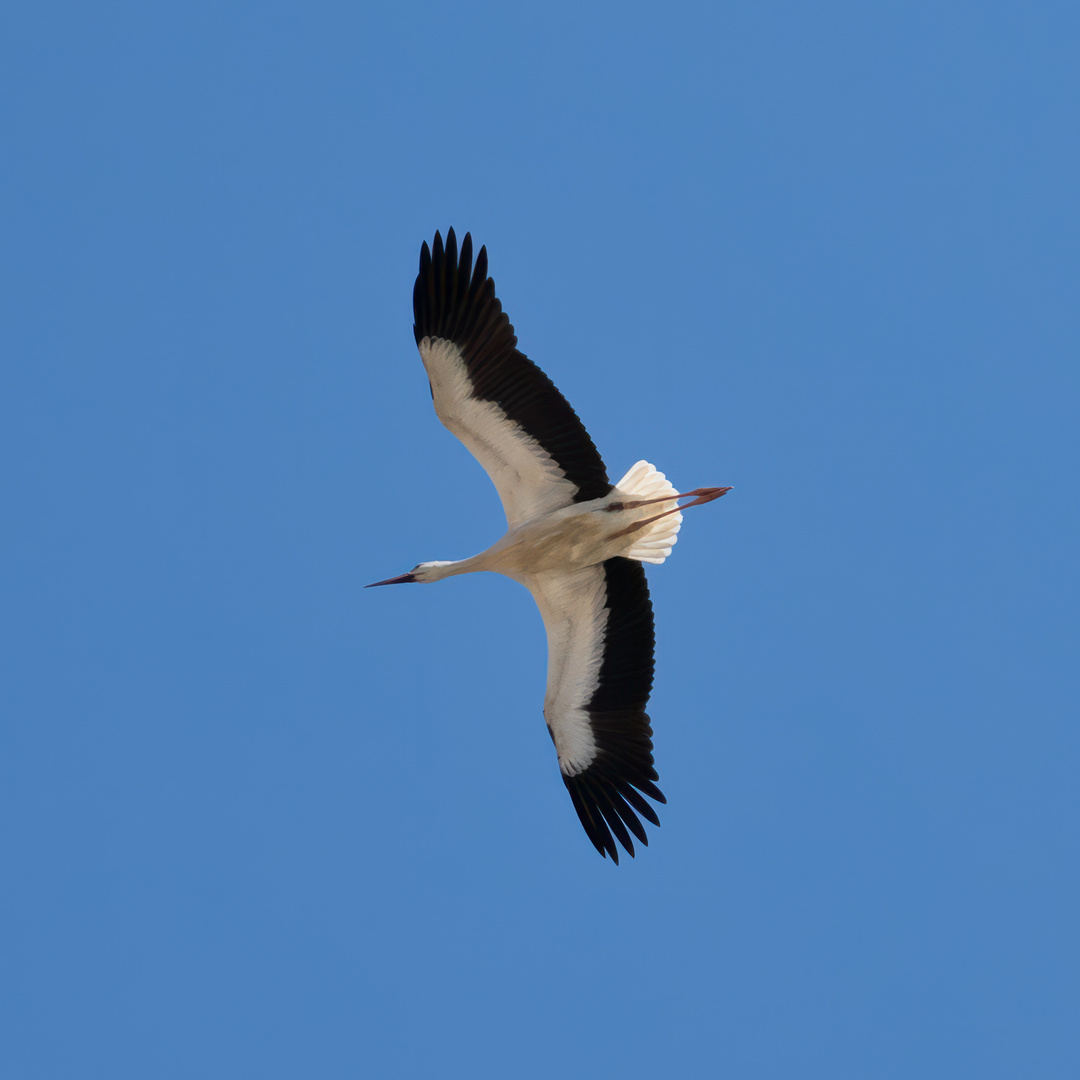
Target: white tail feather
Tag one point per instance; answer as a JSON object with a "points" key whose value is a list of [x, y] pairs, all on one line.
{"points": [[654, 543]]}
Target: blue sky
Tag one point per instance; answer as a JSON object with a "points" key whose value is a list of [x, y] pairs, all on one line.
{"points": [[257, 822]]}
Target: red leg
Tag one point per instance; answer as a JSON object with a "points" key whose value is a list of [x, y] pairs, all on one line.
{"points": [[704, 495]]}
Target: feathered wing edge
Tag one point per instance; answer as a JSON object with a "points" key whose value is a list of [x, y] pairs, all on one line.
{"points": [[455, 300], [608, 794]]}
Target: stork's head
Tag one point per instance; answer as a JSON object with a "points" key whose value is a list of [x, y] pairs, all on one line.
{"points": [[423, 573]]}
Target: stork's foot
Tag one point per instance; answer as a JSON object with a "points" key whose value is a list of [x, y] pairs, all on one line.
{"points": [[704, 495]]}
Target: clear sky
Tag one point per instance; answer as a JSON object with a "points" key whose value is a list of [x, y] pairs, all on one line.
{"points": [[258, 822]]}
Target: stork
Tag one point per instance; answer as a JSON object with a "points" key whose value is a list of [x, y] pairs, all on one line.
{"points": [[574, 540]]}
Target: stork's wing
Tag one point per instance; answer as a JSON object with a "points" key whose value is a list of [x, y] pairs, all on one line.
{"points": [[504, 409], [600, 668]]}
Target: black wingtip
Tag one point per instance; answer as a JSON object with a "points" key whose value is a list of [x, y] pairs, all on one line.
{"points": [[454, 300], [608, 807]]}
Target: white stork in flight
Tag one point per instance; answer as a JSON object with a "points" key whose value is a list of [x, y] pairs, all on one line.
{"points": [[574, 540]]}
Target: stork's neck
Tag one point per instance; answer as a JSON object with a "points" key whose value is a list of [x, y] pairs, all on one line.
{"points": [[436, 571]]}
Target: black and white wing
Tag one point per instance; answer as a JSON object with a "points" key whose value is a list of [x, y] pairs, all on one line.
{"points": [[600, 668], [505, 410]]}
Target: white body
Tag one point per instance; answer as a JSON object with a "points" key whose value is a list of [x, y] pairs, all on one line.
{"points": [[573, 539]]}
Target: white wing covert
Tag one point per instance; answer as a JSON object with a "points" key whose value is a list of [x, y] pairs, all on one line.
{"points": [[600, 666], [506, 411]]}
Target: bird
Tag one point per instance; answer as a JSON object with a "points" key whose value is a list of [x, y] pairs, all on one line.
{"points": [[576, 541]]}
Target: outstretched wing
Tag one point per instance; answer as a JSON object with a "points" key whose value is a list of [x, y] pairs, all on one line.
{"points": [[505, 410], [600, 667]]}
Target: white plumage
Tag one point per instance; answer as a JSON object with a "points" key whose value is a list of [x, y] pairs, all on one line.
{"points": [[574, 540]]}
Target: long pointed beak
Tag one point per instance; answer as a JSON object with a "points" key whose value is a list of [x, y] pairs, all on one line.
{"points": [[402, 579]]}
